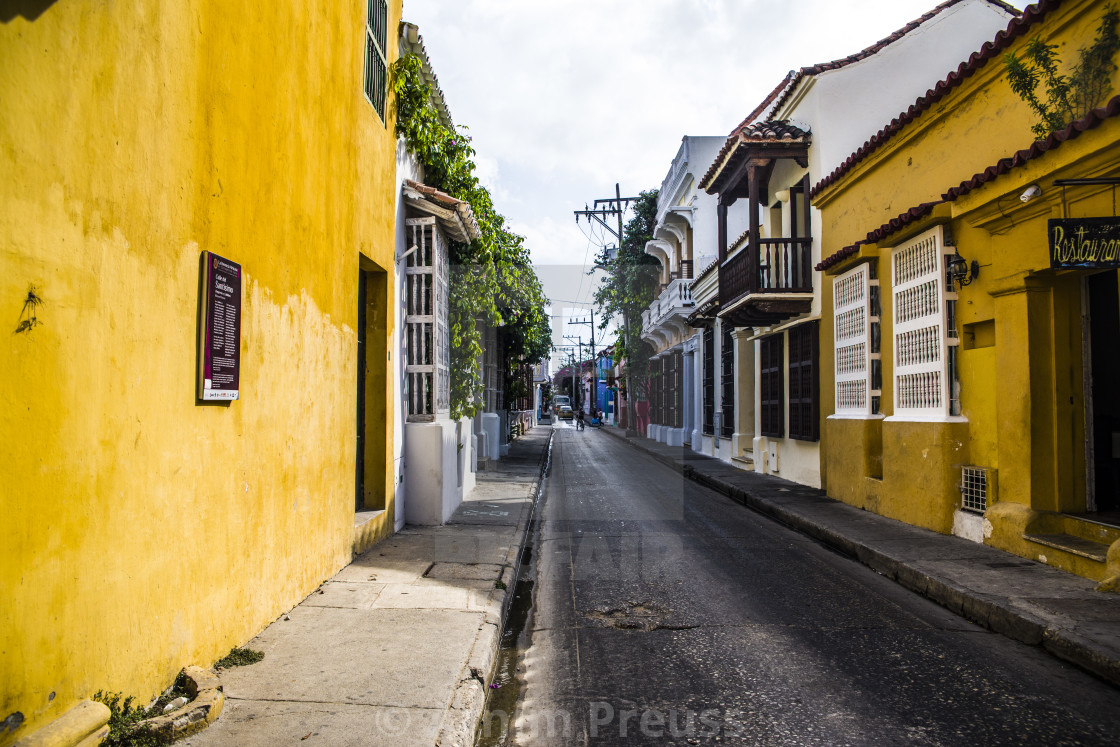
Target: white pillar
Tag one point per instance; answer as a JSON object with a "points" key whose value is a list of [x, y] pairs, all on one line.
{"points": [[745, 392], [688, 381], [697, 343]]}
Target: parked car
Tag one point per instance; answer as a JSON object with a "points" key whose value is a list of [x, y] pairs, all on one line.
{"points": [[562, 405]]}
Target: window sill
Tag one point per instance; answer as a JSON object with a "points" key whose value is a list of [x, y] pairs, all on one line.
{"points": [[925, 419], [362, 517]]}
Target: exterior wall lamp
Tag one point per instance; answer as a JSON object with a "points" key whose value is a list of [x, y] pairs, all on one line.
{"points": [[961, 271]]}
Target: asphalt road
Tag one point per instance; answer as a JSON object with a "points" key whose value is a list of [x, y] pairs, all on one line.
{"points": [[663, 613]]}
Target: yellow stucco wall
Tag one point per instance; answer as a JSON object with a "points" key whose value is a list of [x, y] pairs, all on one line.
{"points": [[144, 532], [1021, 374]]}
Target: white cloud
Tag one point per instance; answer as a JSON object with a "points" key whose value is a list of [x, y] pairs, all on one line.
{"points": [[564, 99]]}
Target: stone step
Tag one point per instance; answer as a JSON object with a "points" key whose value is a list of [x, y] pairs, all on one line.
{"points": [[1080, 546], [1085, 526], [743, 462]]}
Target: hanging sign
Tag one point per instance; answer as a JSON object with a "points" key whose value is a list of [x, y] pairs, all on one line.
{"points": [[220, 325], [1084, 242]]}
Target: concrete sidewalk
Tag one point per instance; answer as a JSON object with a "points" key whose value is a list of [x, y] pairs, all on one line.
{"points": [[399, 647], [1020, 598]]}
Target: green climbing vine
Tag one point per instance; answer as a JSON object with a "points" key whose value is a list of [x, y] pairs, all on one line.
{"points": [[492, 279], [1067, 97]]}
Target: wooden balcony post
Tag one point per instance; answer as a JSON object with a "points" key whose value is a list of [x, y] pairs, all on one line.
{"points": [[754, 171], [721, 214]]}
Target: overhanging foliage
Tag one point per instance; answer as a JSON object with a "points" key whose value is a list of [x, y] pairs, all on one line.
{"points": [[491, 280]]}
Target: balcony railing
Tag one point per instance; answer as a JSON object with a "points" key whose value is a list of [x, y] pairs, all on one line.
{"points": [[782, 266], [675, 297]]}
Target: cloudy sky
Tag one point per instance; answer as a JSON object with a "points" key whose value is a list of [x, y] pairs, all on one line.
{"points": [[564, 99]]}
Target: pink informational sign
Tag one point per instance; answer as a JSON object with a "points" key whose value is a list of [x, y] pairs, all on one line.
{"points": [[220, 323]]}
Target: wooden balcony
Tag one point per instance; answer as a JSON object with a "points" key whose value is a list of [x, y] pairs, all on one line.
{"points": [[767, 285]]}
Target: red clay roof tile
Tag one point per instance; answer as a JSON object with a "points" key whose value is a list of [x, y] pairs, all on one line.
{"points": [[1016, 28], [877, 46], [880, 233], [784, 89], [755, 133], [1090, 121], [1073, 130]]}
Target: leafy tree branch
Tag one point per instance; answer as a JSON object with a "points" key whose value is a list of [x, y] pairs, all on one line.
{"points": [[1067, 97]]}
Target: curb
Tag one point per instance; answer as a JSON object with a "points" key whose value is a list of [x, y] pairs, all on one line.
{"points": [[205, 707], [464, 712], [84, 725], [990, 613]]}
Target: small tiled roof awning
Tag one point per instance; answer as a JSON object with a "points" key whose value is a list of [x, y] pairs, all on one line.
{"points": [[704, 315], [454, 215], [882, 232], [756, 136]]}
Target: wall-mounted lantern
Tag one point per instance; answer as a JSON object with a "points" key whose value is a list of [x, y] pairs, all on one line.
{"points": [[961, 271]]}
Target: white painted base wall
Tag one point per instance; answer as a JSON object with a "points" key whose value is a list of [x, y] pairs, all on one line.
{"points": [[970, 526], [467, 461], [796, 461], [431, 472], [491, 426]]}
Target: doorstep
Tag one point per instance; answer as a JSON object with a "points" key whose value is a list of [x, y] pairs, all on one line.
{"points": [[1079, 546]]}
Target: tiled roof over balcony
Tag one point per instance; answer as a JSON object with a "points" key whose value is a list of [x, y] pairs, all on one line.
{"points": [[757, 135]]}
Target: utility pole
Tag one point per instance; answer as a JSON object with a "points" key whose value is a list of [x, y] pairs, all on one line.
{"points": [[594, 362], [571, 357], [616, 206], [579, 343]]}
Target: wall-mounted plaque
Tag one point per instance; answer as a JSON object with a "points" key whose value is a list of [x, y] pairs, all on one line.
{"points": [[220, 326], [1084, 242]]}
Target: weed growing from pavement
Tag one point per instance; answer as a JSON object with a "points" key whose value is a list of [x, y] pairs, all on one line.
{"points": [[239, 657], [123, 718]]}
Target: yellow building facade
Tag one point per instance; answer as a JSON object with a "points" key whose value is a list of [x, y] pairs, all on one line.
{"points": [[970, 374], [146, 529]]}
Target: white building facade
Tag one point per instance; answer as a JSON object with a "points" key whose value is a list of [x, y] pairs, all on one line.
{"points": [[685, 238]]}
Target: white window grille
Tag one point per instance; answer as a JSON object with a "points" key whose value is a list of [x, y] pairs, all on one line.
{"points": [[925, 383], [427, 382], [856, 314], [977, 488]]}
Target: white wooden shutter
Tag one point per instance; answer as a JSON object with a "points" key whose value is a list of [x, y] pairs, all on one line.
{"points": [[851, 300], [427, 388], [921, 372]]}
